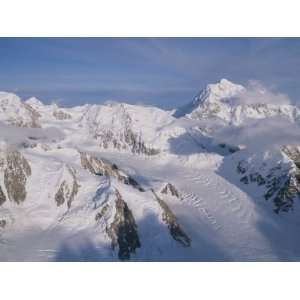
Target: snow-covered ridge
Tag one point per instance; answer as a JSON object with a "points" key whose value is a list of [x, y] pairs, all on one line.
{"points": [[116, 127]]}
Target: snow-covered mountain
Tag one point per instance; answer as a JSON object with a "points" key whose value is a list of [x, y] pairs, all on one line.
{"points": [[129, 182], [15, 112], [224, 101]]}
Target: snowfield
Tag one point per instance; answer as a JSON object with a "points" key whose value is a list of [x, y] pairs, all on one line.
{"points": [[125, 182]]}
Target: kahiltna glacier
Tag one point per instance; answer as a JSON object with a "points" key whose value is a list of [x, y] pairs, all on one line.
{"points": [[214, 180]]}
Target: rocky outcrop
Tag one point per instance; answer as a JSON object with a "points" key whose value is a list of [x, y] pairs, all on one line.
{"points": [[170, 220], [169, 189], [283, 189], [68, 188], [95, 165], [291, 184], [282, 184], [229, 148], [123, 230], [103, 167], [122, 140], [35, 115], [293, 153], [102, 212], [16, 171], [2, 196], [61, 115]]}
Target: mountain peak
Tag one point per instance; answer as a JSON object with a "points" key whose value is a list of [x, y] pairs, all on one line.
{"points": [[212, 94], [229, 86], [33, 101], [234, 104], [223, 89], [225, 81]]}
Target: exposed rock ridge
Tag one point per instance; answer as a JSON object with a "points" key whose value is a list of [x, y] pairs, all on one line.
{"points": [[170, 189], [103, 167], [68, 188], [282, 184], [2, 196], [61, 115], [16, 171], [170, 220], [123, 229], [125, 139]]}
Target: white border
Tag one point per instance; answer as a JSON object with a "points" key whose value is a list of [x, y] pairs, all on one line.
{"points": [[149, 280], [149, 18]]}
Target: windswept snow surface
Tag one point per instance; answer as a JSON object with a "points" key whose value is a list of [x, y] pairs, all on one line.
{"points": [[97, 172]]}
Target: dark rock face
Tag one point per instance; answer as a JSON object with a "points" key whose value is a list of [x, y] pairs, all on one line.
{"points": [[231, 149], [125, 139], [105, 168], [245, 179], [67, 190], [130, 181], [123, 230], [15, 176], [2, 196], [175, 229], [256, 177], [92, 164], [61, 115], [283, 186], [253, 177], [171, 190], [242, 167], [284, 189], [137, 145], [60, 194]]}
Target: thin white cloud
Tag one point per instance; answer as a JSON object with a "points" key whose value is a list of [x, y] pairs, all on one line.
{"points": [[264, 133], [257, 93]]}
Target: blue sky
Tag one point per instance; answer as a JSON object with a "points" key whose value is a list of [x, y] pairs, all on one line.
{"points": [[166, 72]]}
